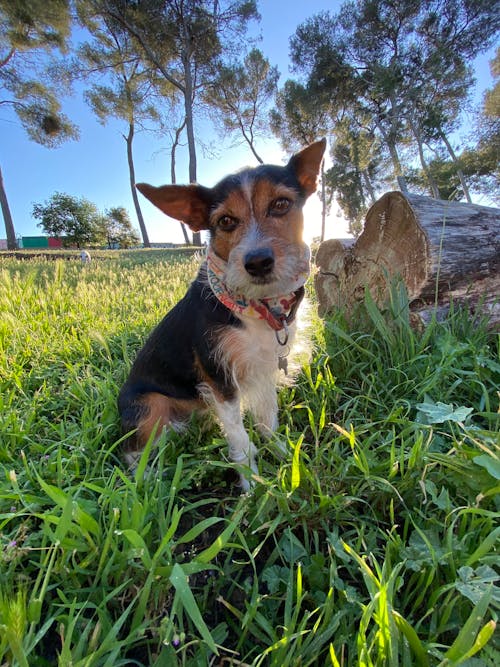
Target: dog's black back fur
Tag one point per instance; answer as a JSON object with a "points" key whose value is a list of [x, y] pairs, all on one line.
{"points": [[167, 364]]}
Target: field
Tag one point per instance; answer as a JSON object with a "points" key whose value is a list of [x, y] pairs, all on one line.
{"points": [[371, 543]]}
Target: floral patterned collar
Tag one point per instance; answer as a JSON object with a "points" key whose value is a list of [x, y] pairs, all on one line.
{"points": [[278, 312]]}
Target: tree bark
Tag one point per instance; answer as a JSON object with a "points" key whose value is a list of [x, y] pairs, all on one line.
{"points": [[323, 202], [368, 184], [9, 224], [460, 173], [425, 167], [443, 251], [393, 152], [173, 176], [140, 219], [188, 108]]}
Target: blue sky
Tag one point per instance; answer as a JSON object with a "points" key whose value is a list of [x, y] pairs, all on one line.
{"points": [[95, 167]]}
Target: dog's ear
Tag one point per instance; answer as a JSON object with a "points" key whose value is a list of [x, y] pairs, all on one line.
{"points": [[187, 203], [306, 164]]}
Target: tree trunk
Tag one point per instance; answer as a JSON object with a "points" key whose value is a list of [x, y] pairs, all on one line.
{"points": [[443, 251], [9, 224], [396, 162], [140, 219], [250, 142], [173, 177], [425, 167], [188, 107], [460, 173], [368, 185], [323, 202]]}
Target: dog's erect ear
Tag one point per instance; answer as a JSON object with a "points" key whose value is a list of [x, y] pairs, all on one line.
{"points": [[187, 203], [306, 165]]}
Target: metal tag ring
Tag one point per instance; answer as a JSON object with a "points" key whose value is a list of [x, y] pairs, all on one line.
{"points": [[285, 340]]}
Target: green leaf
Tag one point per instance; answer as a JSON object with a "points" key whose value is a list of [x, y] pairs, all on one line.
{"points": [[56, 495], [412, 638], [180, 582], [64, 523], [483, 637], [85, 520], [377, 318], [486, 545], [296, 464], [333, 657], [275, 577], [438, 413], [474, 583], [193, 533], [490, 463], [468, 635], [291, 548], [211, 552], [138, 543]]}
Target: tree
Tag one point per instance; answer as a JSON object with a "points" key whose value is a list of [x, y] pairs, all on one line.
{"points": [[410, 82], [479, 164], [239, 95], [76, 220], [118, 229], [177, 131], [129, 92], [299, 118], [483, 161], [182, 39], [357, 162], [28, 32]]}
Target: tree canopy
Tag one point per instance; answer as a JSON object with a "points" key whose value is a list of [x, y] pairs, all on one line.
{"points": [[238, 95], [74, 218], [182, 40], [118, 229], [28, 33], [403, 89]]}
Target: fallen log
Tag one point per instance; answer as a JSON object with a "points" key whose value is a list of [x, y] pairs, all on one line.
{"points": [[443, 251]]}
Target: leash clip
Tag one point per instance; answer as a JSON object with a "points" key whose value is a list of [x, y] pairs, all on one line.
{"points": [[277, 333]]}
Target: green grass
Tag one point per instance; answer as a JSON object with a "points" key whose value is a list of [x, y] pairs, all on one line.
{"points": [[372, 542]]}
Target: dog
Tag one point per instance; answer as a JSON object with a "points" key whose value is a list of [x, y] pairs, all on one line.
{"points": [[222, 345], [85, 257]]}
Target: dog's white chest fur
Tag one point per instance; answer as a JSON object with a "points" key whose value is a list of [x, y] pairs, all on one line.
{"points": [[249, 355]]}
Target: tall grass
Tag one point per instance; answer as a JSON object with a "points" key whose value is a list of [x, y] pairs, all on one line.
{"points": [[372, 541]]}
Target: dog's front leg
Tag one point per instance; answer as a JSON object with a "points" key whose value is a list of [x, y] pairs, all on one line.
{"points": [[265, 411], [241, 449]]}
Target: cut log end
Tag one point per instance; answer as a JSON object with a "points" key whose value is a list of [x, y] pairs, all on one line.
{"points": [[442, 251]]}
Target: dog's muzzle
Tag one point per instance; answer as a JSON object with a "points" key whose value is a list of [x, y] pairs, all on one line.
{"points": [[259, 263]]}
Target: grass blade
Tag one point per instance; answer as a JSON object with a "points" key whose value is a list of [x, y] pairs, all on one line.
{"points": [[181, 584]]}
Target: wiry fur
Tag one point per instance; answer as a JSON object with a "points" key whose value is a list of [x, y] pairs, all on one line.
{"points": [[203, 354]]}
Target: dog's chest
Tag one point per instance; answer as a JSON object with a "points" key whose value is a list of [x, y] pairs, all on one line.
{"points": [[252, 354]]}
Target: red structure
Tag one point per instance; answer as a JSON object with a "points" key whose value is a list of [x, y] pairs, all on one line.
{"points": [[55, 243]]}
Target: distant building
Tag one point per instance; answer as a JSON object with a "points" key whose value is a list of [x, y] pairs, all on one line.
{"points": [[39, 242]]}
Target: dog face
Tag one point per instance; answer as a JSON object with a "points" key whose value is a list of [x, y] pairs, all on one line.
{"points": [[255, 221]]}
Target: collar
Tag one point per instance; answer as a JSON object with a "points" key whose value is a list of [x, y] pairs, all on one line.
{"points": [[277, 311]]}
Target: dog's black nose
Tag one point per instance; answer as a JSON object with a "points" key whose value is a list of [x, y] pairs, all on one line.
{"points": [[259, 263]]}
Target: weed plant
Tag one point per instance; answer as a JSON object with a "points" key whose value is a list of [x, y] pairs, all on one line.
{"points": [[372, 541]]}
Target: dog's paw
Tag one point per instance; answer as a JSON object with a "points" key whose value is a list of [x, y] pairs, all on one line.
{"points": [[247, 482], [247, 485]]}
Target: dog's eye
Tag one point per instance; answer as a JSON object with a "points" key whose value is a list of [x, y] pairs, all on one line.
{"points": [[279, 206], [227, 223]]}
